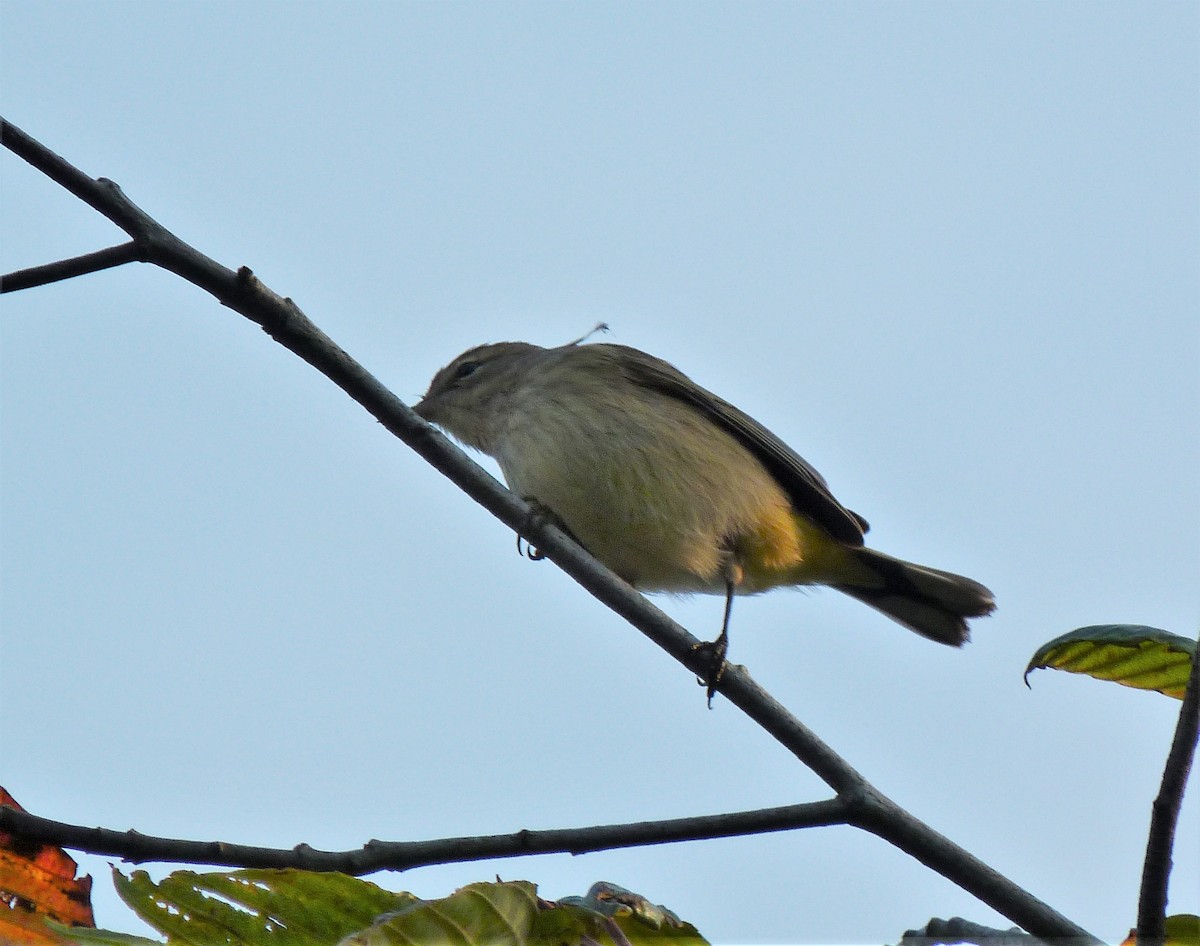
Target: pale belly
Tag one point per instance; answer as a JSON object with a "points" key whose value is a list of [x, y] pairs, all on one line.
{"points": [[669, 504]]}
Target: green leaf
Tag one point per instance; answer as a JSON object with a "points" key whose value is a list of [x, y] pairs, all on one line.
{"points": [[1130, 654], [300, 908], [494, 914], [277, 907], [86, 936], [1183, 929], [511, 914]]}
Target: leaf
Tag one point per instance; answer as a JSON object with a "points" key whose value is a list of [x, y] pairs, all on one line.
{"points": [[21, 928], [79, 936], [1130, 654], [38, 882], [511, 914], [494, 914], [1183, 929], [277, 907], [301, 908]]}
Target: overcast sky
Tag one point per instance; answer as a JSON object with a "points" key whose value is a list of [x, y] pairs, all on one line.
{"points": [[950, 252]]}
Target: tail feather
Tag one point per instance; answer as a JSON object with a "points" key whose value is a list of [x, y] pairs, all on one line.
{"points": [[933, 603]]}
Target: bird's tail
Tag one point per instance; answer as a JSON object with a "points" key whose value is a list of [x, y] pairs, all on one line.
{"points": [[933, 603]]}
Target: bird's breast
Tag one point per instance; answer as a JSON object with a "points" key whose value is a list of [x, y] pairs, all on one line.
{"points": [[653, 489]]}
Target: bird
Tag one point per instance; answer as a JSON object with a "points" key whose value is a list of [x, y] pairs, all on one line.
{"points": [[675, 489]]}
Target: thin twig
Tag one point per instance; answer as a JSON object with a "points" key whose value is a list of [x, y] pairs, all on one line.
{"points": [[285, 323], [373, 856], [70, 268], [1156, 870]]}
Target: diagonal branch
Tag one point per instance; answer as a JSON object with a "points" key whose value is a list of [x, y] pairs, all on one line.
{"points": [[404, 855], [1156, 870], [284, 322]]}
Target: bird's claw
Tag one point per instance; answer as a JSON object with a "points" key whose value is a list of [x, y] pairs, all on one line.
{"points": [[713, 653], [539, 515]]}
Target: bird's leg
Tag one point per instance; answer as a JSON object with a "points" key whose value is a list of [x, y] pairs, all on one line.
{"points": [[539, 515], [716, 650]]}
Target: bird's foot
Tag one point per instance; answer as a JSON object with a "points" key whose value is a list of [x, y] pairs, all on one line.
{"points": [[539, 515], [713, 653]]}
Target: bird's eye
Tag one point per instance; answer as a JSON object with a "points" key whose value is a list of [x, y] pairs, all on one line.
{"points": [[465, 370]]}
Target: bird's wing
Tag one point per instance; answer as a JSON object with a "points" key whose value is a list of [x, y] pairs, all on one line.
{"points": [[805, 487]]}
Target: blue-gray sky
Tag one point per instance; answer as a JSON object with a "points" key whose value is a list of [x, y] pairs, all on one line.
{"points": [[948, 251]]}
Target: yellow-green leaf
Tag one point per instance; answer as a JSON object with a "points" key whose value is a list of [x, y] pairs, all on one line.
{"points": [[250, 907], [500, 914], [1182, 929], [511, 914], [1130, 654]]}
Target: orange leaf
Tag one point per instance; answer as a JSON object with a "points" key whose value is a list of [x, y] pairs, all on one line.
{"points": [[38, 881]]}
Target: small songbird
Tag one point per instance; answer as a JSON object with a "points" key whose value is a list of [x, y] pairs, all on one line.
{"points": [[675, 489]]}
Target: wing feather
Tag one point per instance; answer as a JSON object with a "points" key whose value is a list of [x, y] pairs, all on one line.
{"points": [[805, 487]]}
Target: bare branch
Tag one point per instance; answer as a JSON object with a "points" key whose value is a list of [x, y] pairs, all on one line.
{"points": [[285, 323], [49, 163], [70, 268], [1156, 870], [373, 856]]}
